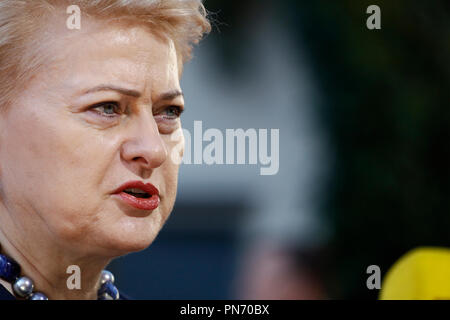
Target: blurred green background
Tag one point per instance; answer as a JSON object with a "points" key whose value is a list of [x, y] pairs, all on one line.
{"points": [[386, 108]]}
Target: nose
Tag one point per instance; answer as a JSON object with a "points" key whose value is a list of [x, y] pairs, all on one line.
{"points": [[144, 148]]}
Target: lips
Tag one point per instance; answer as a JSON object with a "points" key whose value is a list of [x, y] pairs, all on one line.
{"points": [[143, 196]]}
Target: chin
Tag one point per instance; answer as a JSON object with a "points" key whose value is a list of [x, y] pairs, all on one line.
{"points": [[127, 244], [133, 245], [136, 235]]}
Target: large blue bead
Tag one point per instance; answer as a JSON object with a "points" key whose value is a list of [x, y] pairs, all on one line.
{"points": [[23, 287], [109, 289], [9, 269], [37, 296], [106, 276]]}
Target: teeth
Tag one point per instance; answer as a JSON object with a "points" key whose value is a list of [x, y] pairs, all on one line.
{"points": [[133, 190]]}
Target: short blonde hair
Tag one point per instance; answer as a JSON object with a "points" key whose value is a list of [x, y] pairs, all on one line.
{"points": [[183, 21]]}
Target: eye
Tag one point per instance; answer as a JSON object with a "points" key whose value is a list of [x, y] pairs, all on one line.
{"points": [[172, 112], [107, 109]]}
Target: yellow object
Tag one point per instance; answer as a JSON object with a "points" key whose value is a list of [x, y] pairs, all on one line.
{"points": [[421, 274]]}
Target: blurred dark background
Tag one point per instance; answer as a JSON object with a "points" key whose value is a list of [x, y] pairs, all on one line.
{"points": [[364, 152]]}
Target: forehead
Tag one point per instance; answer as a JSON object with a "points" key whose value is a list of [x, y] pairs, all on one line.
{"points": [[114, 54]]}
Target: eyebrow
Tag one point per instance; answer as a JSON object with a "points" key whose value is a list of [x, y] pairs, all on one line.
{"points": [[170, 95], [108, 87]]}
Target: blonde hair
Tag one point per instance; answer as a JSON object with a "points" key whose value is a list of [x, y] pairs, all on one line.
{"points": [[21, 56]]}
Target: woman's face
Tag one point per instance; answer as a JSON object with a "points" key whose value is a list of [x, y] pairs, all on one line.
{"points": [[104, 113]]}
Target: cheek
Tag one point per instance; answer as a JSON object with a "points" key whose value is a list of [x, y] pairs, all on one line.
{"points": [[28, 152], [51, 165], [170, 168], [170, 176], [53, 153], [176, 144]]}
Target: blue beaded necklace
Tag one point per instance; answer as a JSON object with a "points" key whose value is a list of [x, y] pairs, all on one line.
{"points": [[23, 287]]}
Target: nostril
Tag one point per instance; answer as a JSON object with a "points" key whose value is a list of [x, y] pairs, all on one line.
{"points": [[142, 160]]}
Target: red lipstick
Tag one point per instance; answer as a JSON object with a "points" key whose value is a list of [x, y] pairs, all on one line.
{"points": [[143, 196]]}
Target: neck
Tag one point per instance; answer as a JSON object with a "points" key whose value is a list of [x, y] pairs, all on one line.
{"points": [[51, 273]]}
